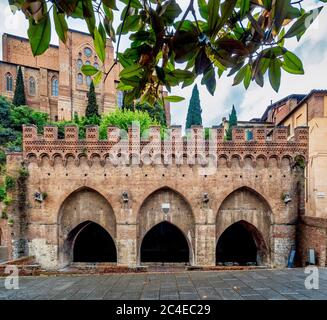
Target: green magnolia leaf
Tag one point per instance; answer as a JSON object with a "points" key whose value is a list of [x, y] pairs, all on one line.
{"points": [[213, 15], [102, 32], [174, 98], [88, 13], [275, 73], [99, 45], [124, 87], [39, 35], [240, 76], [134, 3], [110, 4], [282, 8], [301, 25], [170, 11], [247, 76], [245, 7], [124, 61], [209, 79], [60, 24], [89, 70], [97, 78], [292, 64], [109, 29], [226, 10], [131, 24], [133, 70], [203, 9]]}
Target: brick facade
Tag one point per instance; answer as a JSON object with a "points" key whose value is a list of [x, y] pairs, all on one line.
{"points": [[226, 182]]}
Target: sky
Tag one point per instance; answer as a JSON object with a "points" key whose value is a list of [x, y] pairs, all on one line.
{"points": [[251, 103]]}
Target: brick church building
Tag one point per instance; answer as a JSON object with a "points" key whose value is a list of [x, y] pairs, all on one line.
{"points": [[54, 82]]}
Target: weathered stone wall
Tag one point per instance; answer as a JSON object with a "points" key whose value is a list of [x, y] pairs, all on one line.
{"points": [[239, 180]]}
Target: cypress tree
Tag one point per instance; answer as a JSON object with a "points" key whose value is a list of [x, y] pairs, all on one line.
{"points": [[92, 107], [232, 122], [19, 96], [194, 110]]}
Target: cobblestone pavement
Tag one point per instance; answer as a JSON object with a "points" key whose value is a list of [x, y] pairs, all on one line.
{"points": [[194, 285]]}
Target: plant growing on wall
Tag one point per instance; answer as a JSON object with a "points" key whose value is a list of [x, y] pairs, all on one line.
{"points": [[19, 95]]}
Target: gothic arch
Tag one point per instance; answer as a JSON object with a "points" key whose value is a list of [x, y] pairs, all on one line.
{"points": [[243, 243], [179, 214], [245, 204], [81, 206]]}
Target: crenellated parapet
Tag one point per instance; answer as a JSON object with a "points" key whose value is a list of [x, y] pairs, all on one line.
{"points": [[155, 146]]}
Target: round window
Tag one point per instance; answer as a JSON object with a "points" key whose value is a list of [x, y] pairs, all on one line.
{"points": [[88, 52]]}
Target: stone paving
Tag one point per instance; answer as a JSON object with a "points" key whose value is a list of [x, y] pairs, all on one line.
{"points": [[285, 284]]}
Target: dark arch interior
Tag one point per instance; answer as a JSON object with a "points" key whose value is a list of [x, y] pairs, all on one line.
{"points": [[94, 244], [164, 243], [236, 244]]}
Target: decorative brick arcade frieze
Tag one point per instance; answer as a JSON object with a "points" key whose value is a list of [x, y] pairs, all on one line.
{"points": [[151, 148]]}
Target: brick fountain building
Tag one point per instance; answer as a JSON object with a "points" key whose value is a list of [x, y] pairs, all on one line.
{"points": [[134, 202]]}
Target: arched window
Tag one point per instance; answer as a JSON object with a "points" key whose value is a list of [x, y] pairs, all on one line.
{"points": [[88, 80], [120, 98], [54, 87], [32, 87], [79, 63], [80, 78], [88, 63], [9, 82], [96, 65]]}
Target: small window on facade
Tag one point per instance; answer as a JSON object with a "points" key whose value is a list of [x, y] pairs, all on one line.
{"points": [[87, 62], [120, 99], [54, 87], [79, 63], [32, 87], [80, 78], [9, 82], [88, 80], [96, 65], [88, 52], [289, 130]]}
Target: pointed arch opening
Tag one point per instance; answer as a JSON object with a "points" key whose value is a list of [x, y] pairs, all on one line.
{"points": [[165, 217], [86, 223], [241, 244], [243, 228], [165, 243], [89, 242]]}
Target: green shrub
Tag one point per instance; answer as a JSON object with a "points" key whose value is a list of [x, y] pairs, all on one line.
{"points": [[4, 214], [2, 193], [7, 200], [123, 119], [23, 173], [9, 183], [2, 158], [5, 107], [25, 115]]}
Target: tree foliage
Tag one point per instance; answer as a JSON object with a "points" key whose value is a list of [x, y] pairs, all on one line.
{"points": [[19, 95], [232, 122], [156, 111], [245, 39], [194, 110], [124, 119], [11, 120], [92, 108]]}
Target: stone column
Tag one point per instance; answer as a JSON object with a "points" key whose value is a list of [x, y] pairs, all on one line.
{"points": [[126, 239], [205, 245]]}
